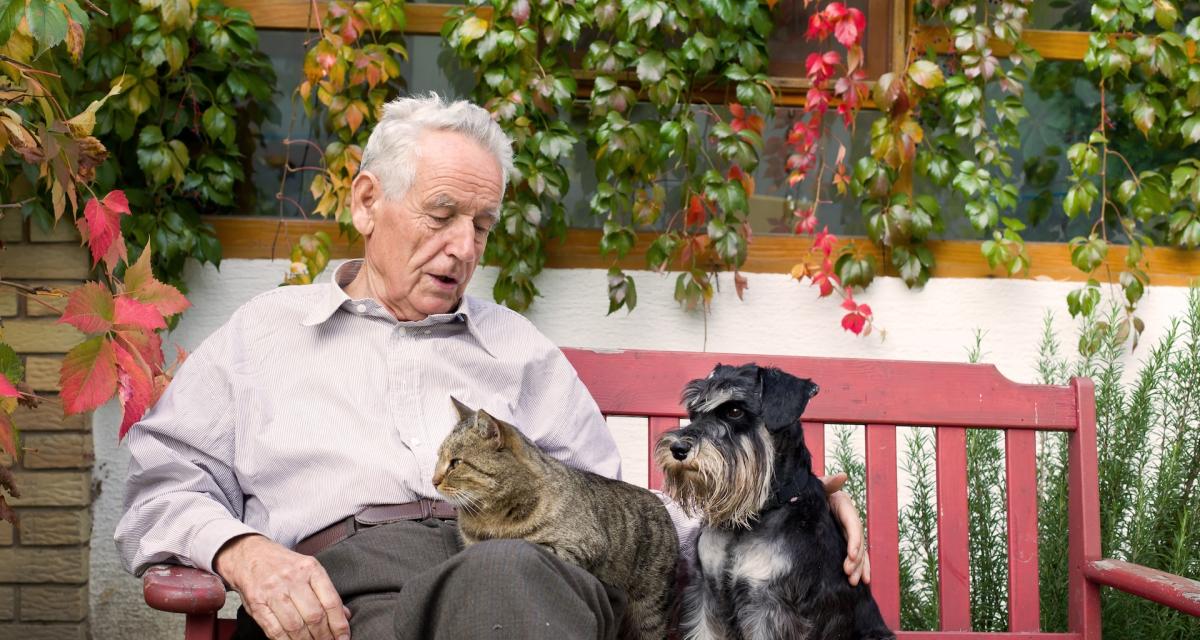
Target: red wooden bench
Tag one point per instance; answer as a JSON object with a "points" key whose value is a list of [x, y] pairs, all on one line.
{"points": [[881, 395]]}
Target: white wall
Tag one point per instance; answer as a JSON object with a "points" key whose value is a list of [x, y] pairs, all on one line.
{"points": [[778, 316]]}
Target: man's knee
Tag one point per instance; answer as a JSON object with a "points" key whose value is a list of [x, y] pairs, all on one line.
{"points": [[510, 557]]}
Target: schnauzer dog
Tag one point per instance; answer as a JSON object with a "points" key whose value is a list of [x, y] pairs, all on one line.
{"points": [[770, 554]]}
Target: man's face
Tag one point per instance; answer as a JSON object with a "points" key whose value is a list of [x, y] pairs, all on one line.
{"points": [[422, 250]]}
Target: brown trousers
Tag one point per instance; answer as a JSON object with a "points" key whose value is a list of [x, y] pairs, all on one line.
{"points": [[413, 580]]}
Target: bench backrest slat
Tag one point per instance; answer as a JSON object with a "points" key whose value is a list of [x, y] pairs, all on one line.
{"points": [[1024, 608], [648, 383], [881, 395], [814, 439], [883, 520], [954, 574]]}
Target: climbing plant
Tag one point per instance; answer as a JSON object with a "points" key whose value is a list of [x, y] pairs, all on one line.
{"points": [[950, 127], [172, 92]]}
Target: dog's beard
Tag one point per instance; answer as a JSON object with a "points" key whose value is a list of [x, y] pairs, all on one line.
{"points": [[725, 485]]}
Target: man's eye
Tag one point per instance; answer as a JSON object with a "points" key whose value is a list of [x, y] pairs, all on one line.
{"points": [[734, 413]]}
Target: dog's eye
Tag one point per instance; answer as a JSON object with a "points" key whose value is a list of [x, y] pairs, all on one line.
{"points": [[734, 413]]}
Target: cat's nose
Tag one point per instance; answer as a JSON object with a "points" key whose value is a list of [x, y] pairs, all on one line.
{"points": [[680, 449]]}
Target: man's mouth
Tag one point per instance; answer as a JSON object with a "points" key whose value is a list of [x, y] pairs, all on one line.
{"points": [[449, 281]]}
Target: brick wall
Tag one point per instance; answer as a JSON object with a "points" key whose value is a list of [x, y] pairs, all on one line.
{"points": [[44, 563]]}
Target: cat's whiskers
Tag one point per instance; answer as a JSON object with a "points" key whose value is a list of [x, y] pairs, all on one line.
{"points": [[467, 502]]}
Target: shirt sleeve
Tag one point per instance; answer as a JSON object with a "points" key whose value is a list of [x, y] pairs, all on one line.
{"points": [[182, 498], [567, 422]]}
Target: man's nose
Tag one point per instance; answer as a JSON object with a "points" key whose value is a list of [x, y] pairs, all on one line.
{"points": [[461, 243]]}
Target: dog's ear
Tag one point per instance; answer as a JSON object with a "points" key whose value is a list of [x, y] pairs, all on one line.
{"points": [[784, 397]]}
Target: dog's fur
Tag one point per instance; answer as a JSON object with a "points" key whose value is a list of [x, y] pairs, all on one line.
{"points": [[769, 558]]}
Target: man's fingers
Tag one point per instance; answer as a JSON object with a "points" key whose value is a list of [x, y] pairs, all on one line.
{"points": [[337, 614], [847, 515], [834, 483], [312, 612], [866, 567], [289, 618], [267, 621]]}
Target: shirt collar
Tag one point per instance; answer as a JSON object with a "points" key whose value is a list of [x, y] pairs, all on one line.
{"points": [[334, 297]]}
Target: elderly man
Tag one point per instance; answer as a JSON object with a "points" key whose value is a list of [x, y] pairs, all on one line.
{"points": [[292, 454]]}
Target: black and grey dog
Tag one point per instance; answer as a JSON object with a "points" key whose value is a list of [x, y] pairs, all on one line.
{"points": [[770, 554]]}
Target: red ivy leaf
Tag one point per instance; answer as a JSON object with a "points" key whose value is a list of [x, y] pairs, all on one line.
{"points": [[135, 388], [141, 286], [825, 242], [89, 375], [90, 308], [848, 31], [7, 390], [101, 227], [740, 284], [695, 212], [146, 344], [818, 27], [835, 11], [133, 314], [854, 323]]}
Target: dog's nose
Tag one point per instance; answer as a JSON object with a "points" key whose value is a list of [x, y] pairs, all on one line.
{"points": [[680, 449]]}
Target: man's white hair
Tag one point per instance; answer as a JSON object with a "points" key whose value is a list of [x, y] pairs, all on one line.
{"points": [[392, 149]]}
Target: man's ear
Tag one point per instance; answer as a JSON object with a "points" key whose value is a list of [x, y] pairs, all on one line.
{"points": [[784, 397], [366, 192]]}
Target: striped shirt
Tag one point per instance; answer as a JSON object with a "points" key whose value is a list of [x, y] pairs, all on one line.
{"points": [[308, 406]]}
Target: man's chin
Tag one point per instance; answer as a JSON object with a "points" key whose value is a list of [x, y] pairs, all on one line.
{"points": [[436, 303]]}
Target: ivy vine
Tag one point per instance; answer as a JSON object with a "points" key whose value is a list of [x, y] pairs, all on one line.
{"points": [[192, 90]]}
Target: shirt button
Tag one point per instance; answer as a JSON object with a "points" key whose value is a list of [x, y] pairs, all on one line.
{"points": [[416, 442], [401, 331], [428, 331], [362, 308]]}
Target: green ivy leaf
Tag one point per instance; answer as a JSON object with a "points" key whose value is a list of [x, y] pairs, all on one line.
{"points": [[10, 364], [1083, 300], [10, 18], [47, 22], [855, 272], [651, 66], [737, 73], [926, 73], [1193, 30], [1190, 129], [1079, 198], [1088, 253]]}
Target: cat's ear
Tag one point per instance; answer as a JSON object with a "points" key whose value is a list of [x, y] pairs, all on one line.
{"points": [[464, 412], [491, 429]]}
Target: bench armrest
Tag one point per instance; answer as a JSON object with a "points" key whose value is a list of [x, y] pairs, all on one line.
{"points": [[1164, 588], [179, 589]]}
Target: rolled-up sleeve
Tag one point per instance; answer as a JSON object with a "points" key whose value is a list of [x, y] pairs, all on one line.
{"points": [[182, 497]]}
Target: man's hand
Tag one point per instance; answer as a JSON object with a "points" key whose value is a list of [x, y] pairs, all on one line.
{"points": [[288, 594], [857, 564]]}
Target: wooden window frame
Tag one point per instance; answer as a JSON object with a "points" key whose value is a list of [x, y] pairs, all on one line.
{"points": [[257, 237]]}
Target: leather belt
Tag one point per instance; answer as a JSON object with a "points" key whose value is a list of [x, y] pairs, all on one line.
{"points": [[422, 509]]}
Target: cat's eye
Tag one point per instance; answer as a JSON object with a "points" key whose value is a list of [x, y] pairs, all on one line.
{"points": [[734, 413], [453, 463]]}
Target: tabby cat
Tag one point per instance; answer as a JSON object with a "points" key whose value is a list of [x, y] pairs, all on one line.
{"points": [[506, 487]]}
